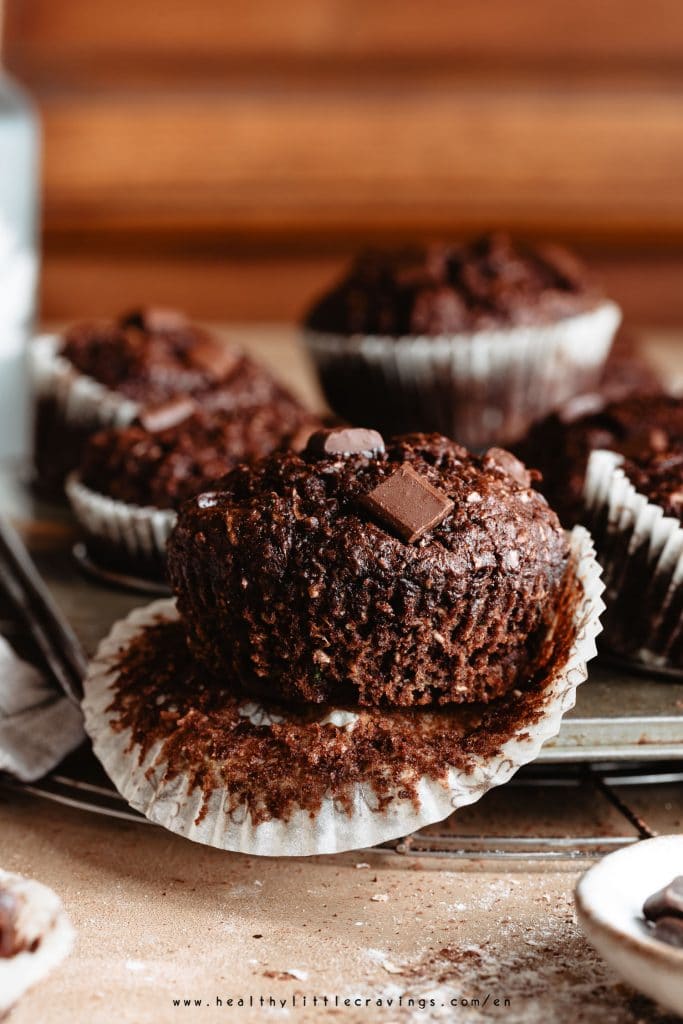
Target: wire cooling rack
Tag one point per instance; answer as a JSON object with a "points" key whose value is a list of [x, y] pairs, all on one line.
{"points": [[81, 784]]}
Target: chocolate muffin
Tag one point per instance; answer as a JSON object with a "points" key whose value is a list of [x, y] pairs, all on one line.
{"points": [[131, 479], [475, 340], [102, 374], [162, 466], [350, 573], [490, 282], [659, 476], [634, 510], [150, 356], [560, 445]]}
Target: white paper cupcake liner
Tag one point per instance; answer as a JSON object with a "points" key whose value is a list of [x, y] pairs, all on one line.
{"points": [[82, 400], [641, 551], [140, 532], [479, 388], [42, 916], [178, 805]]}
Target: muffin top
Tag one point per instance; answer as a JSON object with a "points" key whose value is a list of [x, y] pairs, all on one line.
{"points": [[660, 478], [443, 289], [150, 355], [176, 449], [351, 572], [560, 445]]}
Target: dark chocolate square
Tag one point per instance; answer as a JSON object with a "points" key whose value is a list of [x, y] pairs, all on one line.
{"points": [[408, 503]]}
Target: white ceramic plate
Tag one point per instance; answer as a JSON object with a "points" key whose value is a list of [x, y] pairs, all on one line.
{"points": [[609, 902]]}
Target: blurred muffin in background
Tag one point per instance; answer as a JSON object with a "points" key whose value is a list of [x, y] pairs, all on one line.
{"points": [[476, 340], [634, 510], [560, 445], [132, 479], [103, 373]]}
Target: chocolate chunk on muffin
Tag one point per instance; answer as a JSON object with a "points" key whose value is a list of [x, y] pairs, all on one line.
{"points": [[560, 445], [105, 373], [475, 340], [410, 573]]}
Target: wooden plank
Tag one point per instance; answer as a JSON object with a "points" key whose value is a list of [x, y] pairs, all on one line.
{"points": [[88, 280], [39, 30], [331, 161]]}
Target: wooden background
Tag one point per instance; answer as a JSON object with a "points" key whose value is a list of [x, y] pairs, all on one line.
{"points": [[227, 155]]}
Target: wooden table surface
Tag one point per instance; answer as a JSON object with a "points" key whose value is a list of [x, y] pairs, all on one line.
{"points": [[160, 919]]}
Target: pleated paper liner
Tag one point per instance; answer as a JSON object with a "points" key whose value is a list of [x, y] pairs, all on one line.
{"points": [[69, 407], [43, 921], [260, 778], [121, 535], [641, 551], [81, 399], [479, 388]]}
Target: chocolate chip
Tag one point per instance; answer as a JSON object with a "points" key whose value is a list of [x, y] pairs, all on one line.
{"points": [[169, 414], [345, 441], [667, 902], [214, 357], [669, 930], [408, 503], [9, 940], [502, 459], [155, 319]]}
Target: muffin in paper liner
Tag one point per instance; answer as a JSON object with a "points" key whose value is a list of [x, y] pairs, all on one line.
{"points": [[479, 388], [382, 801], [81, 399], [641, 552], [70, 406], [121, 534], [46, 931]]}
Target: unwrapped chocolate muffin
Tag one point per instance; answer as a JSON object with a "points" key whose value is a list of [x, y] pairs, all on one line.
{"points": [[105, 373], [475, 340], [132, 479], [634, 510], [560, 445], [351, 572]]}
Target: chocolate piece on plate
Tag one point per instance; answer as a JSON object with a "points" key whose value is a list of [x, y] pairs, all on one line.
{"points": [[345, 441], [156, 418], [408, 503], [667, 902], [669, 930]]}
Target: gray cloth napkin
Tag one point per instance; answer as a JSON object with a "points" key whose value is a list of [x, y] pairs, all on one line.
{"points": [[38, 726]]}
